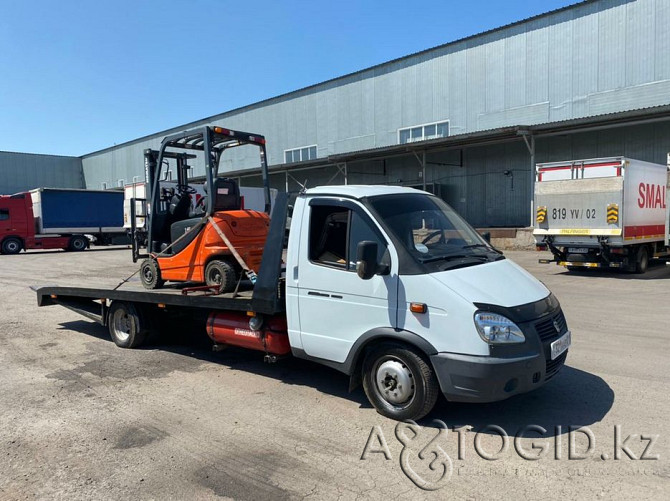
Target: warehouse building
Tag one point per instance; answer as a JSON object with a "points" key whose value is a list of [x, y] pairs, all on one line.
{"points": [[466, 120]]}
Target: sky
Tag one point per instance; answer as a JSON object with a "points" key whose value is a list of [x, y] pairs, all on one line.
{"points": [[79, 76]]}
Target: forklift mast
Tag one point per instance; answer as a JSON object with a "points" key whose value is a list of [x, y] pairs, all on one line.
{"points": [[213, 142]]}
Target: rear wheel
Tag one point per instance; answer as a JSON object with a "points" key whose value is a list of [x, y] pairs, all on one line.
{"points": [[222, 274], [11, 245], [150, 274], [127, 326], [78, 243], [642, 260], [399, 382]]}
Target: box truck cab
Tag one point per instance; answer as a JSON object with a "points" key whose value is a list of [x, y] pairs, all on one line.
{"points": [[391, 286]]}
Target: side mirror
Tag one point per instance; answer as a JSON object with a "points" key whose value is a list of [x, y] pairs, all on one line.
{"points": [[366, 259], [487, 236]]}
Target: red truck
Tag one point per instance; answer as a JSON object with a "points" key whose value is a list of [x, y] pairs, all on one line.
{"points": [[51, 218]]}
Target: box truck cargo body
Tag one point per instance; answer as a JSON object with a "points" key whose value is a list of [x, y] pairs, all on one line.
{"points": [[607, 212], [50, 218]]}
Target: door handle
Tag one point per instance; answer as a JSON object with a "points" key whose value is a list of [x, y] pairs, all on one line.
{"points": [[319, 294]]}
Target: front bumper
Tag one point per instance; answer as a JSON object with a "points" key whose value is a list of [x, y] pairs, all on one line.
{"points": [[508, 370], [466, 378]]}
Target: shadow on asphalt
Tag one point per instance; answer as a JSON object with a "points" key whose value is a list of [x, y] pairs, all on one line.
{"points": [[61, 251], [572, 398], [197, 345], [657, 270]]}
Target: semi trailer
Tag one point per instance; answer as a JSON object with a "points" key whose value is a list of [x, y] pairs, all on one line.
{"points": [[55, 218], [602, 213], [388, 285]]}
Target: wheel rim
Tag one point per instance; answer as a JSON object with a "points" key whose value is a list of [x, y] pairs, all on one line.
{"points": [[395, 381], [215, 277], [78, 244], [12, 246], [148, 274], [122, 325]]}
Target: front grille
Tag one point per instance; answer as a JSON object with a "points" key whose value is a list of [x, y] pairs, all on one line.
{"points": [[553, 366], [546, 328]]}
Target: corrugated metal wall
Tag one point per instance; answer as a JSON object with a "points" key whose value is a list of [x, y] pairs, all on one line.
{"points": [[593, 58], [22, 171]]}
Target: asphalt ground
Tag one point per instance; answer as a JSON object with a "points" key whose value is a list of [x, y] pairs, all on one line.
{"points": [[83, 419]]}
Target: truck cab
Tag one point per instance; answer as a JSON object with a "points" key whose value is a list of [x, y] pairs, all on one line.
{"points": [[16, 222], [390, 285]]}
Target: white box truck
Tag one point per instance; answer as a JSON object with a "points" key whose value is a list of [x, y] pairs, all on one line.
{"points": [[601, 213]]}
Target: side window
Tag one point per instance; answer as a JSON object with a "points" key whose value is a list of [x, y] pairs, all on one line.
{"points": [[4, 214], [334, 236], [328, 235], [360, 231]]}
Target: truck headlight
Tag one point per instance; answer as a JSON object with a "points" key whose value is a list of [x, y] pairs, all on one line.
{"points": [[497, 329]]}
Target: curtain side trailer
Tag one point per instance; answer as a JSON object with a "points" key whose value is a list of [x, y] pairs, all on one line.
{"points": [[58, 218]]}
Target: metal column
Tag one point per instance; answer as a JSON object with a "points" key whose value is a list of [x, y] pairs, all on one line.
{"points": [[529, 139]]}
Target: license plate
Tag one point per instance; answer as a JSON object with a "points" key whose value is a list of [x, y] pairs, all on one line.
{"points": [[578, 250], [560, 345]]}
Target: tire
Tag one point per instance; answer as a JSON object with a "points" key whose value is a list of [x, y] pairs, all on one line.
{"points": [[78, 243], [641, 260], [388, 365], [127, 326], [12, 245], [221, 273], [150, 274]]}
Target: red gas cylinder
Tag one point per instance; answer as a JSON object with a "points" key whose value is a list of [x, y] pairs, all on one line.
{"points": [[233, 329]]}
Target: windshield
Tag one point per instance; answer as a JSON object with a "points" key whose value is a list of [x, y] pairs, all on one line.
{"points": [[432, 232]]}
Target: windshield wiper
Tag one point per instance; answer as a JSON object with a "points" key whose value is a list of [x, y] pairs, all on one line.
{"points": [[450, 257], [487, 247]]}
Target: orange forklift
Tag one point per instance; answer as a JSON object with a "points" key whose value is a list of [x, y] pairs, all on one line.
{"points": [[211, 240]]}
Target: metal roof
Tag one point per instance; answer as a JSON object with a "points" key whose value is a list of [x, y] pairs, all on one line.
{"points": [[632, 117], [313, 87]]}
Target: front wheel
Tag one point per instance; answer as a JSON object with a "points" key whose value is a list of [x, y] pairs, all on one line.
{"points": [[127, 326], [11, 245], [150, 274], [399, 382]]}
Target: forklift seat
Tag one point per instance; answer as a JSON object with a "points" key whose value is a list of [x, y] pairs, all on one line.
{"points": [[226, 195], [180, 228]]}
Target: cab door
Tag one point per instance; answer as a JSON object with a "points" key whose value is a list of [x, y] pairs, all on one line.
{"points": [[335, 305]]}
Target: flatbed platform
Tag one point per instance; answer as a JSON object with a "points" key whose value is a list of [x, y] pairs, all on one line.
{"points": [[89, 301], [167, 296]]}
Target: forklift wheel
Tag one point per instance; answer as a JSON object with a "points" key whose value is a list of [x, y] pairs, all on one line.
{"points": [[150, 274], [222, 274]]}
